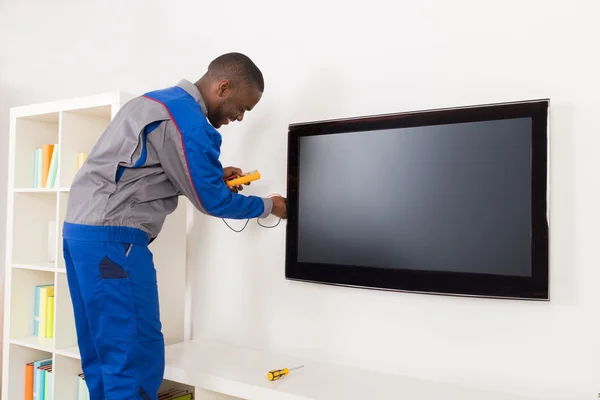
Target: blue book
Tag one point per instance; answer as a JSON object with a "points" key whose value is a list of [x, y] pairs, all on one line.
{"points": [[36, 315], [38, 378], [41, 384]]}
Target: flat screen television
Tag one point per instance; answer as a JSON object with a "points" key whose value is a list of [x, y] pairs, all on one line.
{"points": [[449, 201]]}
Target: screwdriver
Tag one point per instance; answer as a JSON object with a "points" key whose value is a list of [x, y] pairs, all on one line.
{"points": [[278, 373]]}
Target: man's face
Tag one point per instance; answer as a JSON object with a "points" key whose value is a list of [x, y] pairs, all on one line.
{"points": [[230, 103]]}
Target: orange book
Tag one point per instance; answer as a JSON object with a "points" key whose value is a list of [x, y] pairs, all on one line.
{"points": [[29, 382], [46, 160]]}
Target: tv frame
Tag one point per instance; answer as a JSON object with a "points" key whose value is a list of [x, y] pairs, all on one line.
{"points": [[535, 287]]}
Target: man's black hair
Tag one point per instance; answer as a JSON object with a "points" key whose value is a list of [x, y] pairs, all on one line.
{"points": [[237, 67]]}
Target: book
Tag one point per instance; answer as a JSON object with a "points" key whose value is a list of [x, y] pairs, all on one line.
{"points": [[81, 157], [36, 314], [47, 151], [175, 394], [37, 173], [35, 168], [43, 384], [45, 292], [53, 168], [38, 378], [82, 389], [40, 167], [45, 167], [29, 381], [50, 318], [49, 380]]}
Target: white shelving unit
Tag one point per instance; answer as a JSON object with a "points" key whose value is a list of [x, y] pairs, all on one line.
{"points": [[34, 254]]}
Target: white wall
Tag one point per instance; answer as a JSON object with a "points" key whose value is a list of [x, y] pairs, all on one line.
{"points": [[329, 61]]}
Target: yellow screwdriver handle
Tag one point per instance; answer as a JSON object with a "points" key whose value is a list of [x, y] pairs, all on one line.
{"points": [[277, 373]]}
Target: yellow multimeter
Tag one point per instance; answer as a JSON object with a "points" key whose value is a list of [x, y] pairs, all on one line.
{"points": [[246, 178]]}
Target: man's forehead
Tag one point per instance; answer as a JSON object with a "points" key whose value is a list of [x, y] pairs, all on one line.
{"points": [[251, 96]]}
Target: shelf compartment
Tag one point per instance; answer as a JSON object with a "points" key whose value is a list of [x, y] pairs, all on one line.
{"points": [[66, 377], [22, 298], [63, 199], [80, 130], [66, 335], [19, 357], [32, 133], [34, 238]]}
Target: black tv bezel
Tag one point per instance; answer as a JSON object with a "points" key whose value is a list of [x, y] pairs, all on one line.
{"points": [[535, 287]]}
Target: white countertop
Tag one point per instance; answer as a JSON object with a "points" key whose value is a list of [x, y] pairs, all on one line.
{"points": [[241, 372]]}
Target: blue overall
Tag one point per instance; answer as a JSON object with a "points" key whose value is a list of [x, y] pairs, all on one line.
{"points": [[170, 149], [113, 288]]}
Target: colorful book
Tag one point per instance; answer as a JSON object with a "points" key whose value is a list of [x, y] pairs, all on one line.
{"points": [[53, 168], [37, 168], [49, 380], [29, 381], [43, 383], [36, 318], [45, 167], [38, 378], [45, 293], [47, 151], [36, 313], [50, 317]]}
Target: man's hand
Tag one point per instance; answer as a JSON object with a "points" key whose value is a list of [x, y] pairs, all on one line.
{"points": [[232, 173], [279, 207]]}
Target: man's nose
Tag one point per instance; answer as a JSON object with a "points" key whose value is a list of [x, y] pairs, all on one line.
{"points": [[240, 117]]}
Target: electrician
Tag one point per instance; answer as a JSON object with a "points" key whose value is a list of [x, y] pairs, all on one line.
{"points": [[159, 146]]}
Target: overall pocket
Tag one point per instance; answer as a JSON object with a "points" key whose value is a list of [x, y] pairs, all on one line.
{"points": [[118, 316]]}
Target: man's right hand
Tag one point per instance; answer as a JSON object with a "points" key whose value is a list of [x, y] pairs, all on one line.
{"points": [[279, 207]]}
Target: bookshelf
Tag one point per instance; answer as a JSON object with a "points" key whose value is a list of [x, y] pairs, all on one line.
{"points": [[35, 214]]}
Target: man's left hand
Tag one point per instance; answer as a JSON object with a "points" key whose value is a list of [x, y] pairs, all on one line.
{"points": [[233, 172]]}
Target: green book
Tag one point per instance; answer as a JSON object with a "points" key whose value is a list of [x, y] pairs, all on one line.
{"points": [[38, 165], [49, 381]]}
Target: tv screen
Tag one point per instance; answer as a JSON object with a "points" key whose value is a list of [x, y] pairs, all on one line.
{"points": [[446, 201]]}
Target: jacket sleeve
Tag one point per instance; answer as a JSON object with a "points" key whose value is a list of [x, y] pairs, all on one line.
{"points": [[191, 162]]}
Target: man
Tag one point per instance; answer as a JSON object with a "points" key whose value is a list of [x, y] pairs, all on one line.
{"points": [[159, 146]]}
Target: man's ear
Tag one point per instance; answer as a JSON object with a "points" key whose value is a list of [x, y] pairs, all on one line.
{"points": [[223, 88]]}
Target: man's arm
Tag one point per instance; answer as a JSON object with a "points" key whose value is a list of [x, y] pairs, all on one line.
{"points": [[191, 162]]}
